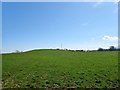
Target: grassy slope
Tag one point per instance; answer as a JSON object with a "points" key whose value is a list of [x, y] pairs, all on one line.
{"points": [[0, 71], [57, 68]]}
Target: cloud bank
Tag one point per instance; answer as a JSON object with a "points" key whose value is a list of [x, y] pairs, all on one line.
{"points": [[110, 38]]}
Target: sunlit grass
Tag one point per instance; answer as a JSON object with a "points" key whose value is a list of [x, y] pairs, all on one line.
{"points": [[58, 68]]}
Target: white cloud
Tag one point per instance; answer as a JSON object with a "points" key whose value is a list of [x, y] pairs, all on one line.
{"points": [[116, 1], [110, 38], [85, 24], [98, 3]]}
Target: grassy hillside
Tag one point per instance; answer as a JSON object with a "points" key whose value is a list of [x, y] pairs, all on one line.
{"points": [[58, 68]]}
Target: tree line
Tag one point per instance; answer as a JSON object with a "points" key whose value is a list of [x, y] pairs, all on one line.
{"points": [[111, 48]]}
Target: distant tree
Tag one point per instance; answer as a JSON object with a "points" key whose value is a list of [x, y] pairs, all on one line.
{"points": [[66, 49], [100, 49], [58, 49], [112, 48], [82, 50], [17, 51], [118, 49], [77, 50]]}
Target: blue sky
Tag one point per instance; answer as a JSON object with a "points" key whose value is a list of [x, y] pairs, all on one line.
{"points": [[82, 25]]}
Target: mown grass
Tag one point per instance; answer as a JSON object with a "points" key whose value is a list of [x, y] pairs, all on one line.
{"points": [[60, 69]]}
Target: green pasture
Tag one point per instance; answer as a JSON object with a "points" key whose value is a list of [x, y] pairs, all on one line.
{"points": [[47, 68]]}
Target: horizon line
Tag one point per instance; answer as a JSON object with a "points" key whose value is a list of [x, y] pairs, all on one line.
{"points": [[2, 52]]}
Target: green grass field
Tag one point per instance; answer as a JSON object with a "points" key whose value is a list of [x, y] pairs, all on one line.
{"points": [[60, 69]]}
